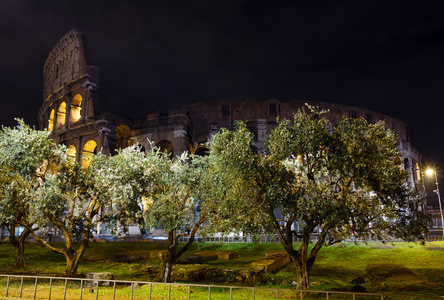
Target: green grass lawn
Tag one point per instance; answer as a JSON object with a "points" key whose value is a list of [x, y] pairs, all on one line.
{"points": [[392, 268]]}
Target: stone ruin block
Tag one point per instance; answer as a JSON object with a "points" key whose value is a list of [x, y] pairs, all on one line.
{"points": [[100, 278]]}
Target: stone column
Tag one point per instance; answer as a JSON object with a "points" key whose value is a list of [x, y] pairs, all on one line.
{"points": [[102, 144]]}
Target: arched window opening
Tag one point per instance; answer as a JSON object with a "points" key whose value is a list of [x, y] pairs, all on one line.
{"points": [[123, 136], [253, 130], [418, 172], [61, 114], [406, 164], [89, 149], [51, 120], [166, 146], [76, 107], [202, 151], [71, 152]]}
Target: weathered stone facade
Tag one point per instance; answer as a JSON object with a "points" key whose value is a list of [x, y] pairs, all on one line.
{"points": [[70, 109]]}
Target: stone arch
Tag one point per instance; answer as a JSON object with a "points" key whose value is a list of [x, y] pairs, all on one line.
{"points": [[253, 129], [61, 115], [123, 136], [89, 149], [202, 151], [202, 138], [406, 164], [76, 107], [51, 120], [166, 146], [71, 152]]}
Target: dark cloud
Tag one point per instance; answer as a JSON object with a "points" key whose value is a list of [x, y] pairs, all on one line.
{"points": [[382, 55]]}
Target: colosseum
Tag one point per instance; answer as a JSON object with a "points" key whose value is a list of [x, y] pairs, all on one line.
{"points": [[71, 111]]}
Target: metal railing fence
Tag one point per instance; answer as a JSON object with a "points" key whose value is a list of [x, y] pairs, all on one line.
{"points": [[217, 239], [27, 287]]}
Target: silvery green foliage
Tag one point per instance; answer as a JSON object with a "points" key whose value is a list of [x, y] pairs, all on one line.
{"points": [[337, 183], [47, 188], [71, 198], [333, 181], [162, 185], [26, 157]]}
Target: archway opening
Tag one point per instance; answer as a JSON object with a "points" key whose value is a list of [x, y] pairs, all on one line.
{"points": [[123, 136], [76, 107], [51, 120], [202, 151], [166, 146], [61, 115], [71, 152], [406, 164], [89, 149]]}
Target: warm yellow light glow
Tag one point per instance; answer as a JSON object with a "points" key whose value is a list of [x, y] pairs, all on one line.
{"points": [[61, 113], [166, 146], [418, 172], [71, 152], [123, 136], [51, 120], [75, 108], [88, 150], [146, 202], [430, 172]]}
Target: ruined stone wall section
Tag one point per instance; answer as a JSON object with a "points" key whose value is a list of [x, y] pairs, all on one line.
{"points": [[64, 63], [157, 130], [260, 115]]}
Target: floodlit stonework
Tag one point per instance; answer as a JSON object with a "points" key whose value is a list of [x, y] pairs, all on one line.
{"points": [[71, 110]]}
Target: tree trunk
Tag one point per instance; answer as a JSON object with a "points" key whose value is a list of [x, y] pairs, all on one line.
{"points": [[170, 258], [73, 257], [303, 274], [166, 270], [72, 263], [19, 258], [173, 254], [19, 245], [303, 259]]}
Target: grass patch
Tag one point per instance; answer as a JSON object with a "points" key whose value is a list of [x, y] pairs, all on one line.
{"points": [[394, 268]]}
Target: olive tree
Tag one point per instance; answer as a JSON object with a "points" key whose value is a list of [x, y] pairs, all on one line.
{"points": [[26, 156], [71, 200], [41, 188], [168, 190], [333, 182]]}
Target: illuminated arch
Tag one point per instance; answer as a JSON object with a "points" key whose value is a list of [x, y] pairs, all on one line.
{"points": [[76, 107], [89, 149], [418, 172], [51, 120], [123, 136], [166, 146], [71, 152], [61, 114]]}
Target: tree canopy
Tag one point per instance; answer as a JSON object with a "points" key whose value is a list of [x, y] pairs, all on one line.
{"points": [[42, 188], [26, 157], [168, 190], [314, 179]]}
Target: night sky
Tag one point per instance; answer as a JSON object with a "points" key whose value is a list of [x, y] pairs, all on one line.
{"points": [[382, 55]]}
